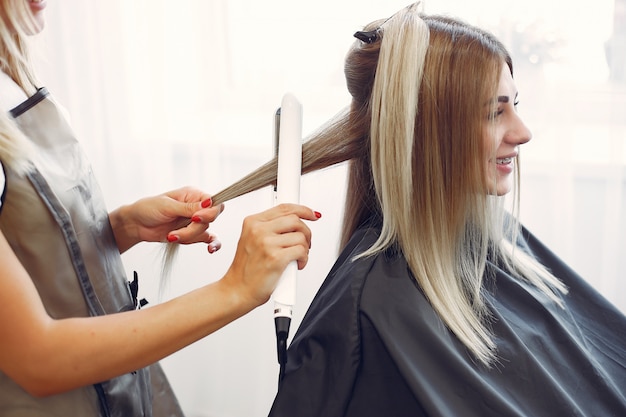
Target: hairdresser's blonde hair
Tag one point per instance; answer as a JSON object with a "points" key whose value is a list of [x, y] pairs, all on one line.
{"points": [[15, 24], [414, 135]]}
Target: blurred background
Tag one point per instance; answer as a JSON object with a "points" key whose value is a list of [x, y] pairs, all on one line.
{"points": [[166, 93]]}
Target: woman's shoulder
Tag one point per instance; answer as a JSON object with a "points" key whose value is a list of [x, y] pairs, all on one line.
{"points": [[339, 294], [350, 269]]}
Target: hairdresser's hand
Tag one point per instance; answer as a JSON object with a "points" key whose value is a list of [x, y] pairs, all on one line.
{"points": [[181, 216], [268, 242]]}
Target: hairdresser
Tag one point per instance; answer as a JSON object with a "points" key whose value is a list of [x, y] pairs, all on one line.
{"points": [[74, 342]]}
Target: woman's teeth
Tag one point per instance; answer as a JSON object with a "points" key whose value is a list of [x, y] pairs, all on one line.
{"points": [[503, 161]]}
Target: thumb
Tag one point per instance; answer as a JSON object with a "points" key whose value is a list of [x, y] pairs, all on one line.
{"points": [[183, 208]]}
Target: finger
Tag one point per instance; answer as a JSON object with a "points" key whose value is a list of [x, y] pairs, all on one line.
{"points": [[302, 262], [190, 194], [291, 224], [279, 232], [297, 253], [286, 239], [186, 201], [285, 209], [207, 215], [295, 244], [214, 243], [193, 233]]}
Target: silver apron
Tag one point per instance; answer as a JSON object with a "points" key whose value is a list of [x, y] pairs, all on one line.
{"points": [[56, 222]]}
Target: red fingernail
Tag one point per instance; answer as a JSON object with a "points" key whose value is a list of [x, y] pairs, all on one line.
{"points": [[172, 238], [317, 214], [207, 203], [196, 219]]}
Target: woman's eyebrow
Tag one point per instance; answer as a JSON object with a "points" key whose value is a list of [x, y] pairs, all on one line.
{"points": [[500, 99], [506, 99]]}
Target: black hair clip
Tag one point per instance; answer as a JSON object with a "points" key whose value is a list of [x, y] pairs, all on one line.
{"points": [[367, 37]]}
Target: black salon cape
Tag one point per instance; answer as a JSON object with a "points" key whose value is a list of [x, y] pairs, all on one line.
{"points": [[371, 345]]}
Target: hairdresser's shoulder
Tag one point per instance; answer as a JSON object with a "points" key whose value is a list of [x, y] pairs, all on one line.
{"points": [[11, 94]]}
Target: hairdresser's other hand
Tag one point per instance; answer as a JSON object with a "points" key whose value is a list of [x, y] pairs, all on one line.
{"points": [[268, 242], [181, 216]]}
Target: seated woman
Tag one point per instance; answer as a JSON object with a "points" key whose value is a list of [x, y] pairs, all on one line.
{"points": [[441, 303]]}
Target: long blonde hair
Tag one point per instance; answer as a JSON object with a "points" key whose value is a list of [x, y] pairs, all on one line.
{"points": [[15, 24], [414, 138]]}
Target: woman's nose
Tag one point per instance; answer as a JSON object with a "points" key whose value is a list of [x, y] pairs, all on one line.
{"points": [[519, 133]]}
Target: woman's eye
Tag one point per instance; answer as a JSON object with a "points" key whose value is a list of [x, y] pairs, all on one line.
{"points": [[495, 114]]}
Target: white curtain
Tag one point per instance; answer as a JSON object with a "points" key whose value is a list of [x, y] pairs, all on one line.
{"points": [[166, 93]]}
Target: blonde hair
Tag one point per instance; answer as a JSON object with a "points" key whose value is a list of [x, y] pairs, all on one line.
{"points": [[16, 23], [414, 138]]}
